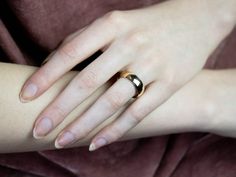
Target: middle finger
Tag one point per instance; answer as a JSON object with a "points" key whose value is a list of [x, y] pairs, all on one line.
{"points": [[81, 86], [109, 103]]}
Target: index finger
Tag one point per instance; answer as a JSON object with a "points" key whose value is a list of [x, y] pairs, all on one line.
{"points": [[96, 36]]}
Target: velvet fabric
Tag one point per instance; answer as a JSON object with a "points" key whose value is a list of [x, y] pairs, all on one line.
{"points": [[30, 30]]}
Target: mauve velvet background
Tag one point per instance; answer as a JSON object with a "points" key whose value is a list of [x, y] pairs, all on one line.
{"points": [[30, 29]]}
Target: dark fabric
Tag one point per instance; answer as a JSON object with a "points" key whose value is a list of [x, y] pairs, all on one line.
{"points": [[30, 30]]}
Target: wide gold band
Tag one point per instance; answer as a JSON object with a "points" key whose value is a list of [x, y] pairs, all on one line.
{"points": [[138, 84]]}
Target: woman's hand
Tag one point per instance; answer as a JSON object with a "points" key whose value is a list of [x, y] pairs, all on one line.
{"points": [[165, 45]]}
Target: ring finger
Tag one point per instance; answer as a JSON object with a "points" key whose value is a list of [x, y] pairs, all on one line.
{"points": [[81, 86], [108, 104]]}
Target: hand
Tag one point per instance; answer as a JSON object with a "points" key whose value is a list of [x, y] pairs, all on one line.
{"points": [[162, 44]]}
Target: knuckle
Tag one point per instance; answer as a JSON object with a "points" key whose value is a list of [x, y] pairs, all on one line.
{"points": [[41, 78], [137, 38], [68, 52], [88, 80], [59, 111], [82, 133], [173, 86], [113, 134], [115, 101], [77, 134], [137, 114], [71, 36], [115, 18], [171, 83]]}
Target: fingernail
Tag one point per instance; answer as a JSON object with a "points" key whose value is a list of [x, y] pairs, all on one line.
{"points": [[28, 92], [97, 144], [42, 128], [64, 139]]}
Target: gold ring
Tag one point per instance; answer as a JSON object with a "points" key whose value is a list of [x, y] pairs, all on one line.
{"points": [[135, 80]]}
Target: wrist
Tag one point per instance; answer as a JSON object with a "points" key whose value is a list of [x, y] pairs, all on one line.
{"points": [[206, 104], [216, 17], [221, 103]]}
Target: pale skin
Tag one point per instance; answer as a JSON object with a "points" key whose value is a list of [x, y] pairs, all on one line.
{"points": [[166, 45], [205, 104]]}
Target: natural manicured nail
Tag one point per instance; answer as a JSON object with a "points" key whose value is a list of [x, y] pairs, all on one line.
{"points": [[42, 127], [64, 139], [28, 92], [97, 144]]}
